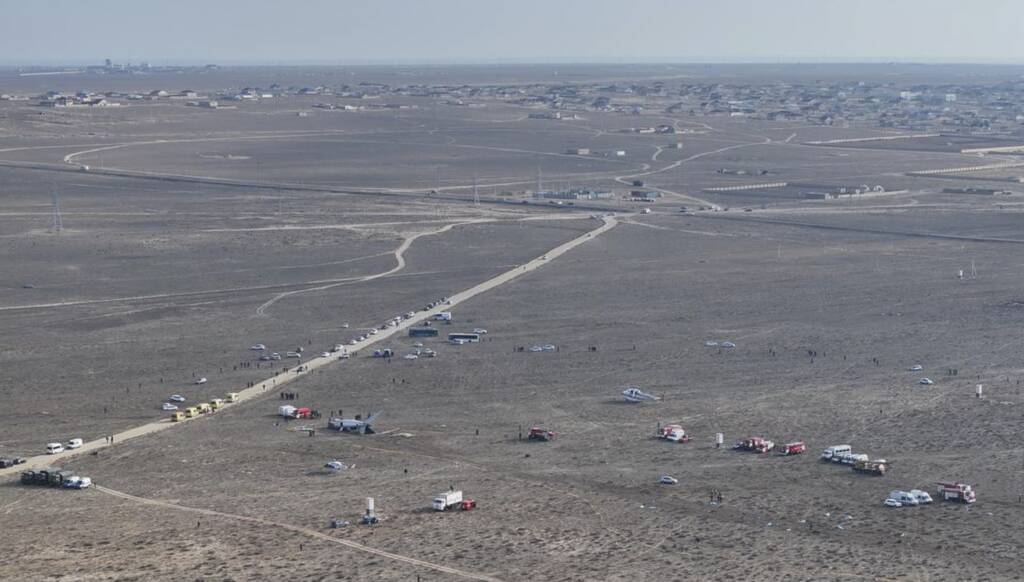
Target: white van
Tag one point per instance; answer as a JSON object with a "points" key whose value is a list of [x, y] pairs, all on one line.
{"points": [[922, 497], [903, 497], [54, 448], [835, 450], [73, 444], [850, 458]]}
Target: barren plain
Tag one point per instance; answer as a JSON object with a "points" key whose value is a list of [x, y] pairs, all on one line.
{"points": [[194, 234]]}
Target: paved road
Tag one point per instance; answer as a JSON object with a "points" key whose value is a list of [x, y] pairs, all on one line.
{"points": [[278, 381]]}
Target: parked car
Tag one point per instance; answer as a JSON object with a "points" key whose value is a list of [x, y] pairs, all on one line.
{"points": [[73, 444], [169, 407], [668, 480], [76, 482], [176, 398], [892, 503], [54, 448]]}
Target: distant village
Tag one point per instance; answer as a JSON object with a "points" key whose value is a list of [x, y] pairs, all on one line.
{"points": [[962, 107]]}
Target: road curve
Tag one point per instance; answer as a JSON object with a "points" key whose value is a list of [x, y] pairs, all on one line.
{"points": [[281, 378], [399, 254]]}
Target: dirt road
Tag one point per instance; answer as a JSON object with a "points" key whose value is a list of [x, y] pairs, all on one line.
{"points": [[305, 531], [282, 378]]}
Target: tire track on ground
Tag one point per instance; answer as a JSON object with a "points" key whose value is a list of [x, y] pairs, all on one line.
{"points": [[302, 530]]}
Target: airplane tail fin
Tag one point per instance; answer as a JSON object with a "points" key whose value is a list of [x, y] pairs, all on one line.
{"points": [[369, 419]]}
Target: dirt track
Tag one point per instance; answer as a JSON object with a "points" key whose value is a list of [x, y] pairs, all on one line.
{"points": [[305, 531], [278, 381]]}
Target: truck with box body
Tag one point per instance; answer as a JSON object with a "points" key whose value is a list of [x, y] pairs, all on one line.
{"points": [[448, 500]]}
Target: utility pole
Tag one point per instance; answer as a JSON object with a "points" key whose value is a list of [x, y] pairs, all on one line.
{"points": [[476, 192]]}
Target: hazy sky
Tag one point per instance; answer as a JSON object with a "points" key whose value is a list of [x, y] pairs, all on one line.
{"points": [[345, 31]]}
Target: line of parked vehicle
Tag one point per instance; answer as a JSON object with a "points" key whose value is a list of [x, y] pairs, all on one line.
{"points": [[54, 477], [213, 405], [841, 454]]}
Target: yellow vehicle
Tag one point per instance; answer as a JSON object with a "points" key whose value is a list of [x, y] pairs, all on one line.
{"points": [[191, 412], [203, 407], [177, 416], [216, 403], [232, 396]]}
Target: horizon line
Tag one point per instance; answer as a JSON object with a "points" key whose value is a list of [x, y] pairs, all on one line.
{"points": [[567, 61]]}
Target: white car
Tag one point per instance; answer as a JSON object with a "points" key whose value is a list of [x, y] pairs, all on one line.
{"points": [[410, 356], [344, 326], [410, 315], [176, 398], [169, 407], [536, 349], [892, 503], [73, 444], [257, 347], [325, 354], [293, 355], [916, 368], [728, 345], [200, 381], [335, 465], [54, 448], [373, 331], [711, 344], [352, 342], [77, 482], [925, 381], [480, 331], [668, 480]]}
